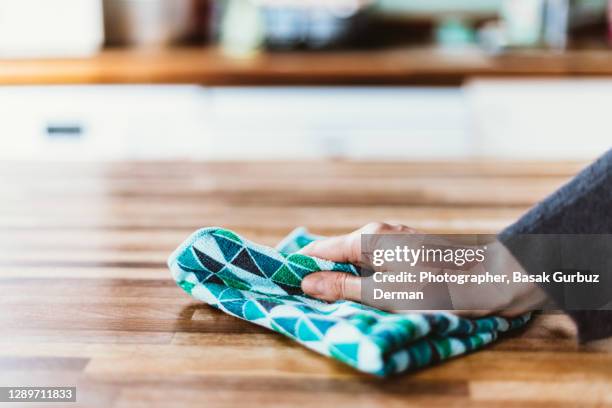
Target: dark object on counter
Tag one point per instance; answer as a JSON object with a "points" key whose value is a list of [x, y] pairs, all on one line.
{"points": [[314, 28], [610, 22], [248, 25], [155, 23]]}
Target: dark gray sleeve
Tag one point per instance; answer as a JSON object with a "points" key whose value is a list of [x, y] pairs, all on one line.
{"points": [[582, 206]]}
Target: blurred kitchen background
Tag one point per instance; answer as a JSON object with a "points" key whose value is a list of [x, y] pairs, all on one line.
{"points": [[291, 79]]}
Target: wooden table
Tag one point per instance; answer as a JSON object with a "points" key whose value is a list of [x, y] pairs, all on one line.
{"points": [[88, 301], [209, 66]]}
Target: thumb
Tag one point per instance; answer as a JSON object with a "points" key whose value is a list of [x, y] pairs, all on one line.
{"points": [[332, 286]]}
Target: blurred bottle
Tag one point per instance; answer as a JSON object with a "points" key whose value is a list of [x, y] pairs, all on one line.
{"points": [[241, 30], [523, 21], [556, 23], [151, 23], [454, 33], [610, 22]]}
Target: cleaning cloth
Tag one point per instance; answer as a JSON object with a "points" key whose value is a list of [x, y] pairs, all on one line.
{"points": [[262, 285]]}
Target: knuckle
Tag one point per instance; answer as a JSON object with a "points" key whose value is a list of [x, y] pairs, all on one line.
{"points": [[376, 227], [396, 227], [404, 228], [339, 285], [384, 227]]}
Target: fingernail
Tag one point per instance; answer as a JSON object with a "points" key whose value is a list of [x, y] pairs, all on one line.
{"points": [[313, 285]]}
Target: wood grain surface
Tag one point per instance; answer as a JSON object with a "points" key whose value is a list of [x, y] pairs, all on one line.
{"points": [[208, 65], [87, 301]]}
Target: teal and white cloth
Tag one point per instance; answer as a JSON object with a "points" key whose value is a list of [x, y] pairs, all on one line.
{"points": [[262, 285]]}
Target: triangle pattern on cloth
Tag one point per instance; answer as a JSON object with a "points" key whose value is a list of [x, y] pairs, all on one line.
{"points": [[304, 261], [299, 271], [187, 260], [322, 325], [216, 290], [305, 333], [287, 323], [213, 278], [291, 290], [349, 350], [252, 311], [228, 234], [202, 276], [230, 295], [207, 262], [232, 280], [285, 276], [228, 247], [244, 261], [266, 264], [268, 305], [234, 306]]}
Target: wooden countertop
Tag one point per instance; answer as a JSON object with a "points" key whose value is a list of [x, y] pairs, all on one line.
{"points": [[88, 301], [391, 66]]}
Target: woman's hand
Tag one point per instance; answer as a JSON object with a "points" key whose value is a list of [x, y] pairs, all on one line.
{"points": [[468, 299]]}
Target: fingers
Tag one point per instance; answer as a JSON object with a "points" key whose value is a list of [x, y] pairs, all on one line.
{"points": [[347, 248], [530, 299], [343, 248], [332, 286]]}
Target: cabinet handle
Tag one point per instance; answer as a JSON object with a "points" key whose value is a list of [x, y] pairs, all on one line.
{"points": [[60, 131]]}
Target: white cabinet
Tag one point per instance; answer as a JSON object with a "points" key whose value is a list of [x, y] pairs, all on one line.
{"points": [[101, 122], [174, 122], [513, 119], [541, 118], [376, 123]]}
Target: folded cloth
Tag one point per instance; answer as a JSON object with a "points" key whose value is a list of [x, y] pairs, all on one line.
{"points": [[262, 285]]}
